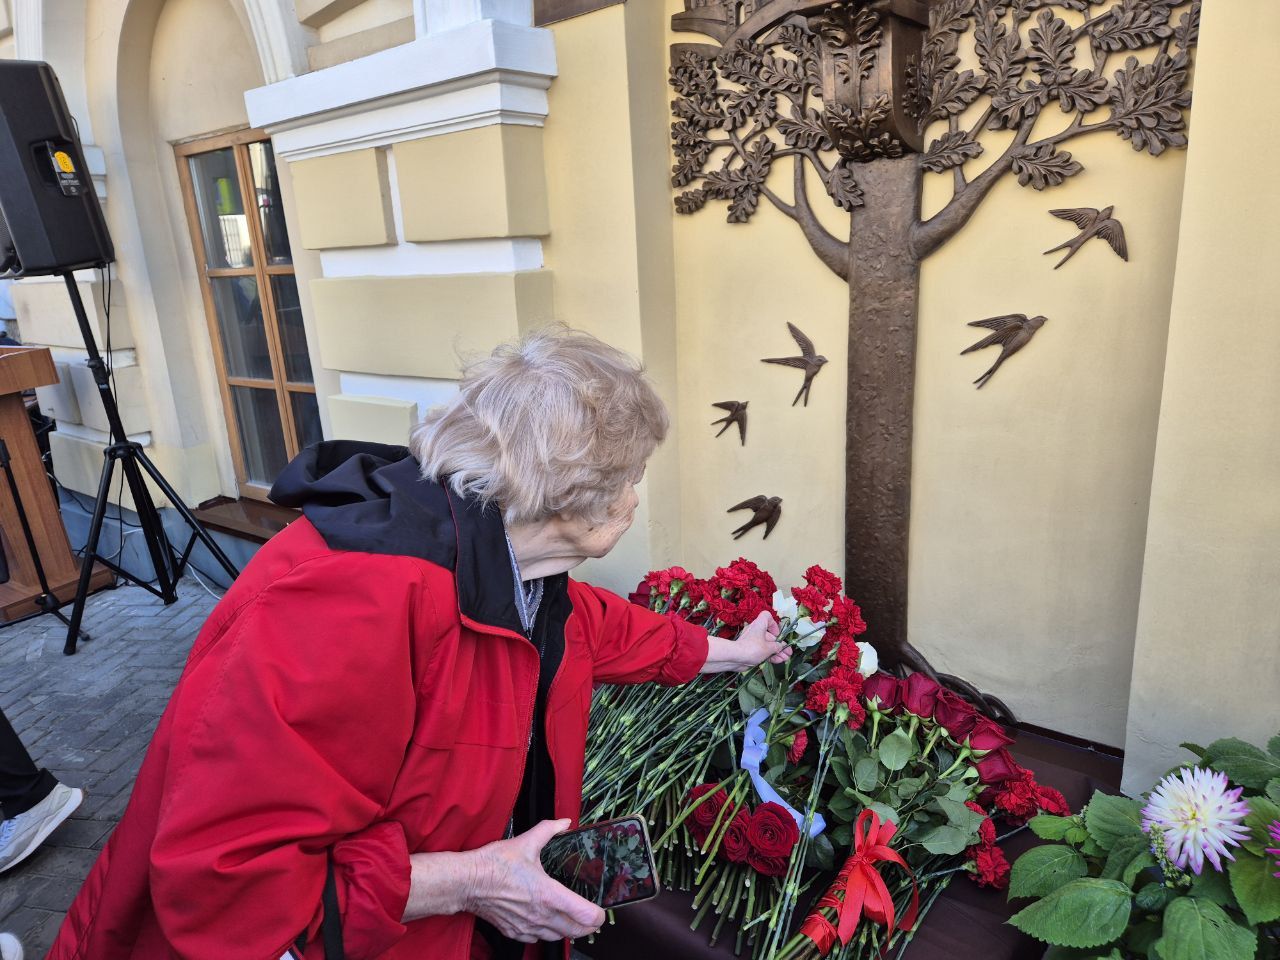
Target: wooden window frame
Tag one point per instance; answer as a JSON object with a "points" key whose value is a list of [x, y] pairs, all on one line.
{"points": [[262, 272]]}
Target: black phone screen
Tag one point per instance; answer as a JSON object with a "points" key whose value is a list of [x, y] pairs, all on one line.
{"points": [[609, 863]]}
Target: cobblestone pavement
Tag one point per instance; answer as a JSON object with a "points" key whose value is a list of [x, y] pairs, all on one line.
{"points": [[88, 718]]}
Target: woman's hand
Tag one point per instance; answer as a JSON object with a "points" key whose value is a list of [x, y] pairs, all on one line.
{"points": [[757, 643]]}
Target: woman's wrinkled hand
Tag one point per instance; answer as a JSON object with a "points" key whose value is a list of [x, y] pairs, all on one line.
{"points": [[757, 643], [515, 894]]}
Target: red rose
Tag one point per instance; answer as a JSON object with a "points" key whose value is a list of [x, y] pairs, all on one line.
{"points": [[885, 688], [641, 595], [919, 694], [1052, 801], [824, 581], [955, 713], [799, 743], [769, 866], [705, 813], [735, 846], [772, 831], [993, 868], [997, 766], [988, 735]]}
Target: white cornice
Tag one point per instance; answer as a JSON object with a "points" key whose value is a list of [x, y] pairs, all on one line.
{"points": [[479, 74]]}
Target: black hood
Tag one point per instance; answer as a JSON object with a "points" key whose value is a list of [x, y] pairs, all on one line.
{"points": [[372, 498]]}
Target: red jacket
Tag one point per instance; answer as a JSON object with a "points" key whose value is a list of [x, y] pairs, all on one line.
{"points": [[365, 702]]}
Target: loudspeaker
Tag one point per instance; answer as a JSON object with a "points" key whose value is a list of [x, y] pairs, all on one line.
{"points": [[50, 220]]}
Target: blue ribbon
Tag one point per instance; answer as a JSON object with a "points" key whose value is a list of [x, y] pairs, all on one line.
{"points": [[753, 752]]}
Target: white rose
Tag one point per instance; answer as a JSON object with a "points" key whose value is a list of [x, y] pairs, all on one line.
{"points": [[868, 659]]}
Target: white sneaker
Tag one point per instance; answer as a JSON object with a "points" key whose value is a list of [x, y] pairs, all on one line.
{"points": [[10, 947], [21, 835]]}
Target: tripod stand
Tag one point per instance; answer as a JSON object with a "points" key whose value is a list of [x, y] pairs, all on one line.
{"points": [[46, 601], [165, 561]]}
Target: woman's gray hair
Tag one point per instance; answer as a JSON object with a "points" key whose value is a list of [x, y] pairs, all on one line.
{"points": [[556, 423]]}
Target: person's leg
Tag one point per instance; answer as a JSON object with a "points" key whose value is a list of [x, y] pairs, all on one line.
{"points": [[22, 783]]}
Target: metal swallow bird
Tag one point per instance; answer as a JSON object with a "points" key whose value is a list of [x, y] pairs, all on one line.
{"points": [[764, 509], [1092, 223], [737, 414], [809, 361], [1012, 331]]}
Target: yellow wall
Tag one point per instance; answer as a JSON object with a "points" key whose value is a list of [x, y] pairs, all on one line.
{"points": [[1205, 664]]}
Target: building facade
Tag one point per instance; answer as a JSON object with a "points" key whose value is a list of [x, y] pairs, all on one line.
{"points": [[319, 206]]}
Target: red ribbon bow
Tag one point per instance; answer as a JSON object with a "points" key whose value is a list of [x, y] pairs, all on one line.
{"points": [[859, 888]]}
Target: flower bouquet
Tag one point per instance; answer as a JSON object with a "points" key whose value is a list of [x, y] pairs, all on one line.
{"points": [[818, 805], [1189, 873]]}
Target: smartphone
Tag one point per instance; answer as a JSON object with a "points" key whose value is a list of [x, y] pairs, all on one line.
{"points": [[609, 863]]}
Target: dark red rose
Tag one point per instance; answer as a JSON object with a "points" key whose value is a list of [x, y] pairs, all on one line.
{"points": [[705, 813], [772, 831], [736, 846], [824, 581], [993, 868], [919, 694], [997, 766], [799, 743], [988, 735], [641, 595], [769, 866], [888, 689], [955, 713], [1052, 801]]}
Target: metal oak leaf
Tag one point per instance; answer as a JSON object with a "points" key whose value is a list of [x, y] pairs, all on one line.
{"points": [[1135, 24], [1147, 101], [952, 150], [953, 93], [1052, 50], [1042, 167], [843, 188], [805, 130], [1000, 52]]}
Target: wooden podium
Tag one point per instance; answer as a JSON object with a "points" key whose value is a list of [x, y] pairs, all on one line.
{"points": [[23, 368]]}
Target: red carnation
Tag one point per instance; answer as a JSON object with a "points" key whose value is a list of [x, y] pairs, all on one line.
{"points": [[824, 581], [1017, 796], [1052, 801], [887, 689], [799, 743], [813, 601], [831, 690], [992, 867], [847, 617], [919, 694], [857, 716], [772, 831], [735, 846], [987, 829], [997, 766], [848, 655], [955, 713], [988, 735]]}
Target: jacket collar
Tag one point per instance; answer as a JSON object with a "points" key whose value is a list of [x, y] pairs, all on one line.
{"points": [[482, 566]]}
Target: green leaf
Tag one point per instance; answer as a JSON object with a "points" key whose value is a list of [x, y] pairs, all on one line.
{"points": [[1273, 745], [822, 854], [747, 702], [840, 767], [1110, 818], [946, 840], [1145, 861], [1076, 835], [885, 812], [896, 749], [1046, 826], [1140, 936], [1262, 813], [1213, 886], [1199, 751], [908, 788], [1244, 763], [1083, 913], [1196, 929], [1125, 851], [1273, 789], [1256, 888], [866, 774], [1154, 897], [960, 816], [1041, 870], [1070, 953]]}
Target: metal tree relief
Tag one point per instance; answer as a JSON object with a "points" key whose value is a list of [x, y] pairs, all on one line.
{"points": [[863, 97]]}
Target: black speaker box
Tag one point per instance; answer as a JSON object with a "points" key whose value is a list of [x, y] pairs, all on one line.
{"points": [[50, 220]]}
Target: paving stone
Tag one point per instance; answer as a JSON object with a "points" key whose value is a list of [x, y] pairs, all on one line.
{"points": [[89, 719]]}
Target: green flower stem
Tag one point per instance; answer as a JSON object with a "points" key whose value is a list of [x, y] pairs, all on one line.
{"points": [[961, 759], [875, 728], [931, 742], [712, 845]]}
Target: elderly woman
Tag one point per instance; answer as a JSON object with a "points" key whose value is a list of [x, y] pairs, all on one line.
{"points": [[387, 712]]}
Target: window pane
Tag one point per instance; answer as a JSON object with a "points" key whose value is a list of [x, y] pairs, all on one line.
{"points": [[261, 433], [306, 417], [266, 192], [244, 338], [297, 362], [222, 217]]}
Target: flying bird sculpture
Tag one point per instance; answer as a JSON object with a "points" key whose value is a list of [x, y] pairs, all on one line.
{"points": [[1092, 223], [809, 361], [737, 414], [764, 510], [1012, 331]]}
